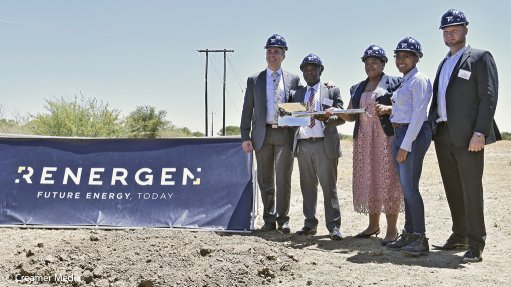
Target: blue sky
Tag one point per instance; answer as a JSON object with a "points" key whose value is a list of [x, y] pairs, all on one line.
{"points": [[131, 53]]}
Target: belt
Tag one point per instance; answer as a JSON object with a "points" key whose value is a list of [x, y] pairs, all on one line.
{"points": [[442, 124], [274, 126], [399, 125], [312, 139]]}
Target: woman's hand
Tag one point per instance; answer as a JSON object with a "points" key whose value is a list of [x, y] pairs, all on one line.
{"points": [[401, 155], [382, 110]]}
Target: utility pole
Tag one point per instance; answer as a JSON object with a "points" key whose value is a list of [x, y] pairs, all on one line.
{"points": [[206, 93], [207, 51], [212, 117]]}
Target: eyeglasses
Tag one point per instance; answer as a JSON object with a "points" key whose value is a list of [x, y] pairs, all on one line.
{"points": [[403, 57]]}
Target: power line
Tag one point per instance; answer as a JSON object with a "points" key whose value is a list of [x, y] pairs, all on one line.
{"points": [[227, 92], [207, 51], [236, 75]]}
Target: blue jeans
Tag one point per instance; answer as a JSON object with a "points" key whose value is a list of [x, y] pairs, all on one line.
{"points": [[409, 175]]}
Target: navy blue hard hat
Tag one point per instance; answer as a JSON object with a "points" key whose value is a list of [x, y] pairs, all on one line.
{"points": [[375, 51], [276, 40], [409, 44], [312, 59], [453, 17]]}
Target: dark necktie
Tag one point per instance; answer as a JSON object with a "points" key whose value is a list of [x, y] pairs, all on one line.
{"points": [[312, 106]]}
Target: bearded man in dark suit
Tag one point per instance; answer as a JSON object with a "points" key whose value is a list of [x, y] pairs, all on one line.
{"points": [[465, 95]]}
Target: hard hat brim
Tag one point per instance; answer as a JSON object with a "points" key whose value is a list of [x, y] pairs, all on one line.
{"points": [[321, 67], [453, 24], [282, 47], [384, 58], [419, 54]]}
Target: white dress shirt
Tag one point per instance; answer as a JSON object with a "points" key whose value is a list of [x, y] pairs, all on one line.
{"points": [[443, 81], [317, 130], [409, 105], [270, 101]]}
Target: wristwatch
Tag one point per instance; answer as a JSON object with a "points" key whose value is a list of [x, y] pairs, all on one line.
{"points": [[478, 134]]}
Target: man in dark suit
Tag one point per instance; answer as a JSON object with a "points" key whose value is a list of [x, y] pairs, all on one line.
{"points": [[272, 143], [318, 149], [465, 95]]}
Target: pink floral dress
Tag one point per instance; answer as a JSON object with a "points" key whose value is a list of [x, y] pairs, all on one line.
{"points": [[376, 186]]}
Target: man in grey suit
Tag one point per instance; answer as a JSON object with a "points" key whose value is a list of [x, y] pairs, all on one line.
{"points": [[465, 95], [260, 132], [318, 149]]}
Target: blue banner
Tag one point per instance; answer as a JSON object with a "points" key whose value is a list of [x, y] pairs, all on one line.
{"points": [[190, 183]]}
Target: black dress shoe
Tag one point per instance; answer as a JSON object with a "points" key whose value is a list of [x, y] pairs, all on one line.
{"points": [[473, 255], [335, 234], [307, 231], [454, 242], [284, 228], [367, 235], [268, 227]]}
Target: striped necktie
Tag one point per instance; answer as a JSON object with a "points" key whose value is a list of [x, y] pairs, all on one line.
{"points": [[276, 95], [312, 106]]}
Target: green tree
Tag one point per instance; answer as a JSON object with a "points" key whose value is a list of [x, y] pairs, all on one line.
{"points": [[230, 131], [18, 125], [345, 137], [8, 126], [174, 132], [506, 136], [83, 117], [145, 122]]}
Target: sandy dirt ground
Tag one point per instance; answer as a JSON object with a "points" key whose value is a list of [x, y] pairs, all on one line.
{"points": [[141, 257]]}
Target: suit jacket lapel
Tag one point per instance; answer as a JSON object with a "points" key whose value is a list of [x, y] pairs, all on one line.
{"points": [[261, 86], [299, 96], [324, 95], [463, 59], [286, 80], [437, 76], [383, 84], [358, 93]]}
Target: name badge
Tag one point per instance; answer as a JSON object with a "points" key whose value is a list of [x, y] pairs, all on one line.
{"points": [[328, 102], [379, 92], [464, 74]]}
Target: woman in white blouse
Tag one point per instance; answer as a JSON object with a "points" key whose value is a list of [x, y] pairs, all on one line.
{"points": [[412, 137]]}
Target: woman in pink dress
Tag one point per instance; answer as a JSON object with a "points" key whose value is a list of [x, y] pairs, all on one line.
{"points": [[376, 186]]}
